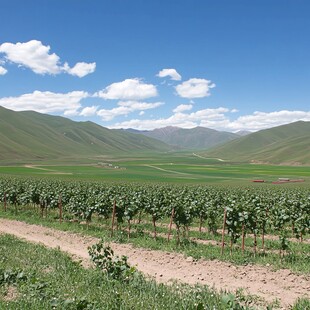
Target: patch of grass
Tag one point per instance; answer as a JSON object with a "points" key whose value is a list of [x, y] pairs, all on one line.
{"points": [[53, 281], [296, 260], [170, 167], [302, 304]]}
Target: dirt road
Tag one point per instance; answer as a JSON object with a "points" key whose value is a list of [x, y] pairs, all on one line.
{"points": [[164, 266]]}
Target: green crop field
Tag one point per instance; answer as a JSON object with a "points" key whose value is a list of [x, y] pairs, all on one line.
{"points": [[122, 200], [169, 167]]}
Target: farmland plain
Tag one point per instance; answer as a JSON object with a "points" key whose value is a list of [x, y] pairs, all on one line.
{"points": [[179, 167], [172, 168]]}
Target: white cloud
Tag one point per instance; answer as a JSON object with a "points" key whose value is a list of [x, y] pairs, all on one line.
{"points": [[80, 69], [262, 120], [150, 124], [184, 120], [108, 115], [89, 111], [46, 102], [174, 75], [3, 71], [182, 108], [194, 88], [136, 105], [126, 107], [219, 119], [129, 89], [32, 55], [37, 57]]}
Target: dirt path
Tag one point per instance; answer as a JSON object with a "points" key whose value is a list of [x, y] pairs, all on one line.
{"points": [[48, 171], [199, 156], [171, 171], [164, 267]]}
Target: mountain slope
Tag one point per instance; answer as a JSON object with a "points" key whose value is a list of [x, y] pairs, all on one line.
{"points": [[34, 135], [195, 138], [283, 144]]}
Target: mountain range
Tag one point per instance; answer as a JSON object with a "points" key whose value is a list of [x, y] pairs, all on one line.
{"points": [[286, 144], [195, 138], [29, 135]]}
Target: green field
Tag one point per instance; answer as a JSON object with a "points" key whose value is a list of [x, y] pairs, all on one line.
{"points": [[41, 278], [169, 167]]}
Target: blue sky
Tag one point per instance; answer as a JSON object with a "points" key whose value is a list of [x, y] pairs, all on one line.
{"points": [[226, 64]]}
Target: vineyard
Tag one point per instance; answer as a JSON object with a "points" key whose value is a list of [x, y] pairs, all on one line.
{"points": [[230, 215], [246, 226]]}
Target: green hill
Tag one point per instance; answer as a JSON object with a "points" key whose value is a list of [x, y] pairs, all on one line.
{"points": [[195, 138], [286, 144], [34, 136]]}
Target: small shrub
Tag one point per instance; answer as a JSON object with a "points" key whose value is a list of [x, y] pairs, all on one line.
{"points": [[11, 276], [114, 266]]}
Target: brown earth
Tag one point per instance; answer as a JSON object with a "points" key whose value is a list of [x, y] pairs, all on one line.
{"points": [[219, 231], [11, 294], [270, 285]]}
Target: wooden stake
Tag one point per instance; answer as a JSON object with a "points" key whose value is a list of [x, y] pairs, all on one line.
{"points": [[243, 238], [42, 210], [223, 232], [113, 217], [178, 235], [170, 224], [4, 201], [263, 239], [60, 208], [154, 225], [139, 217], [263, 233], [129, 227]]}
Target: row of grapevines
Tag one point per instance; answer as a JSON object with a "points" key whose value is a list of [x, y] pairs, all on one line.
{"points": [[246, 210]]}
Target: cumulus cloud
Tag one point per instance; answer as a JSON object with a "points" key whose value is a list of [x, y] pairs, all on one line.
{"points": [[80, 69], [262, 120], [3, 71], [33, 55], [182, 108], [46, 102], [126, 107], [89, 111], [108, 115], [129, 89], [184, 120], [194, 88], [219, 119], [37, 57], [172, 73], [137, 105]]}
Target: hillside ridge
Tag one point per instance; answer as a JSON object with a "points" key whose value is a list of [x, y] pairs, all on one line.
{"points": [[194, 138], [32, 135], [285, 144]]}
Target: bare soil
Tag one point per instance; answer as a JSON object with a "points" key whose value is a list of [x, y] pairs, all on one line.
{"points": [[11, 294], [269, 285], [219, 231]]}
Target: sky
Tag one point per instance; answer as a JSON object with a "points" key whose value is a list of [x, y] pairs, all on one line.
{"points": [[228, 65]]}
